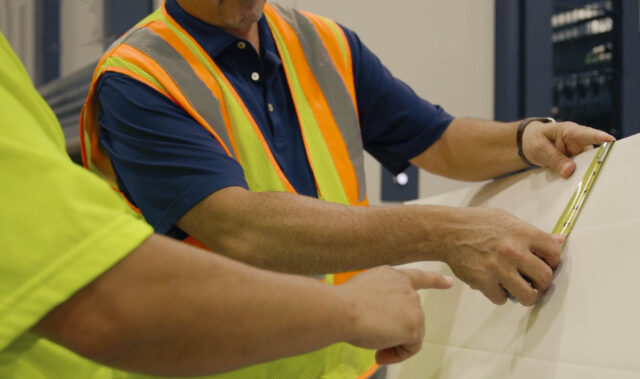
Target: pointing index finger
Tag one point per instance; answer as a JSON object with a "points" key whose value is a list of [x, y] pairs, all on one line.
{"points": [[424, 279], [590, 136]]}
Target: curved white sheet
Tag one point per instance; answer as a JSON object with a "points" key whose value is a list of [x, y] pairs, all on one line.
{"points": [[587, 325]]}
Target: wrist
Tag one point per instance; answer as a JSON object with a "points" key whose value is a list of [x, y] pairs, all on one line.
{"points": [[520, 135], [440, 226], [349, 317]]}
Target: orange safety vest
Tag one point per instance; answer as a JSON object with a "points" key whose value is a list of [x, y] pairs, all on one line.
{"points": [[317, 63]]}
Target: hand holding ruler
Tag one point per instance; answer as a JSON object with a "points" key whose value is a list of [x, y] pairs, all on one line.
{"points": [[572, 210]]}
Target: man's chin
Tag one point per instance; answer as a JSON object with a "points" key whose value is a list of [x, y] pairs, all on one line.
{"points": [[246, 20]]}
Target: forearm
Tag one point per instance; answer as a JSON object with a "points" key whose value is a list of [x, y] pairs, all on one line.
{"points": [[292, 233], [473, 149], [170, 309]]}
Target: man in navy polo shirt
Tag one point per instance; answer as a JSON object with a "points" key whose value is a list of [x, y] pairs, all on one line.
{"points": [[184, 183]]}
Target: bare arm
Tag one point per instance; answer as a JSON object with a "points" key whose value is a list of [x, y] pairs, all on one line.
{"points": [[171, 309], [303, 235], [473, 149], [487, 248]]}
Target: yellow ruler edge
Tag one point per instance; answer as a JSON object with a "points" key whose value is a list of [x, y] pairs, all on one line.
{"points": [[570, 213]]}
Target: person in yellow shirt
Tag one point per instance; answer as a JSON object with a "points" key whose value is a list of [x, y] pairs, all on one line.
{"points": [[87, 289]]}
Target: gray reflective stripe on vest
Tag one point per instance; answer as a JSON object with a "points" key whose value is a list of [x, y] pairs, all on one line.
{"points": [[332, 85], [196, 92], [120, 39]]}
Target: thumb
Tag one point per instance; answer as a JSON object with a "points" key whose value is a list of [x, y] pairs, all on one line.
{"points": [[555, 159], [387, 356], [397, 354]]}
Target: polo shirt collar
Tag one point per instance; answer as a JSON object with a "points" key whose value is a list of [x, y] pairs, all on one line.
{"points": [[215, 40]]}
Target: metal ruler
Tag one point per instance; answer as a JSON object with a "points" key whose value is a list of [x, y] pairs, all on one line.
{"points": [[570, 213]]}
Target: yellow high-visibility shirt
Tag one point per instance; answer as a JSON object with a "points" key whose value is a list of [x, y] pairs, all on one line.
{"points": [[60, 228]]}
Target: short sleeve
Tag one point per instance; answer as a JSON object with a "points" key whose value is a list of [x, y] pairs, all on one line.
{"points": [[164, 160], [60, 225], [396, 123]]}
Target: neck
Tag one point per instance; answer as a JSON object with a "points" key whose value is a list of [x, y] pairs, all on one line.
{"points": [[225, 17]]}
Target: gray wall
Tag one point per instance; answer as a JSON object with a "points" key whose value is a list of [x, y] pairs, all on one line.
{"points": [[17, 23], [81, 34]]}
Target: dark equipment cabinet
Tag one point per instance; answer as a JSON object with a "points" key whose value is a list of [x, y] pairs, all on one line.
{"points": [[586, 63], [576, 60]]}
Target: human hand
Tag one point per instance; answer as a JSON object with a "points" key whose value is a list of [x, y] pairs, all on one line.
{"points": [[553, 145], [493, 251], [387, 312]]}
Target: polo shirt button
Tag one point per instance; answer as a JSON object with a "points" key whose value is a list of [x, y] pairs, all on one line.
{"points": [[255, 76], [270, 107], [241, 45]]}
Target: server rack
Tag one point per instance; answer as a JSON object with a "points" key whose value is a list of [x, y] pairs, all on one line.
{"points": [[577, 60], [586, 63]]}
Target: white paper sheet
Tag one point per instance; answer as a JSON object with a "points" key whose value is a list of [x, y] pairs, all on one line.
{"points": [[588, 323]]}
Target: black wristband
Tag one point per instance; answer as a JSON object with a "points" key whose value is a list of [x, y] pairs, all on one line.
{"points": [[523, 124]]}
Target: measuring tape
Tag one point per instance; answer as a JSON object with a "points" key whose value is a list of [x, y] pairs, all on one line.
{"points": [[571, 211], [570, 214]]}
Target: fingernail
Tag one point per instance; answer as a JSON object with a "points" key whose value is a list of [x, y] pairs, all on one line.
{"points": [[448, 279], [566, 168]]}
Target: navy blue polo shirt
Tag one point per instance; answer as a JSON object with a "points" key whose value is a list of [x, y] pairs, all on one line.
{"points": [[166, 162]]}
